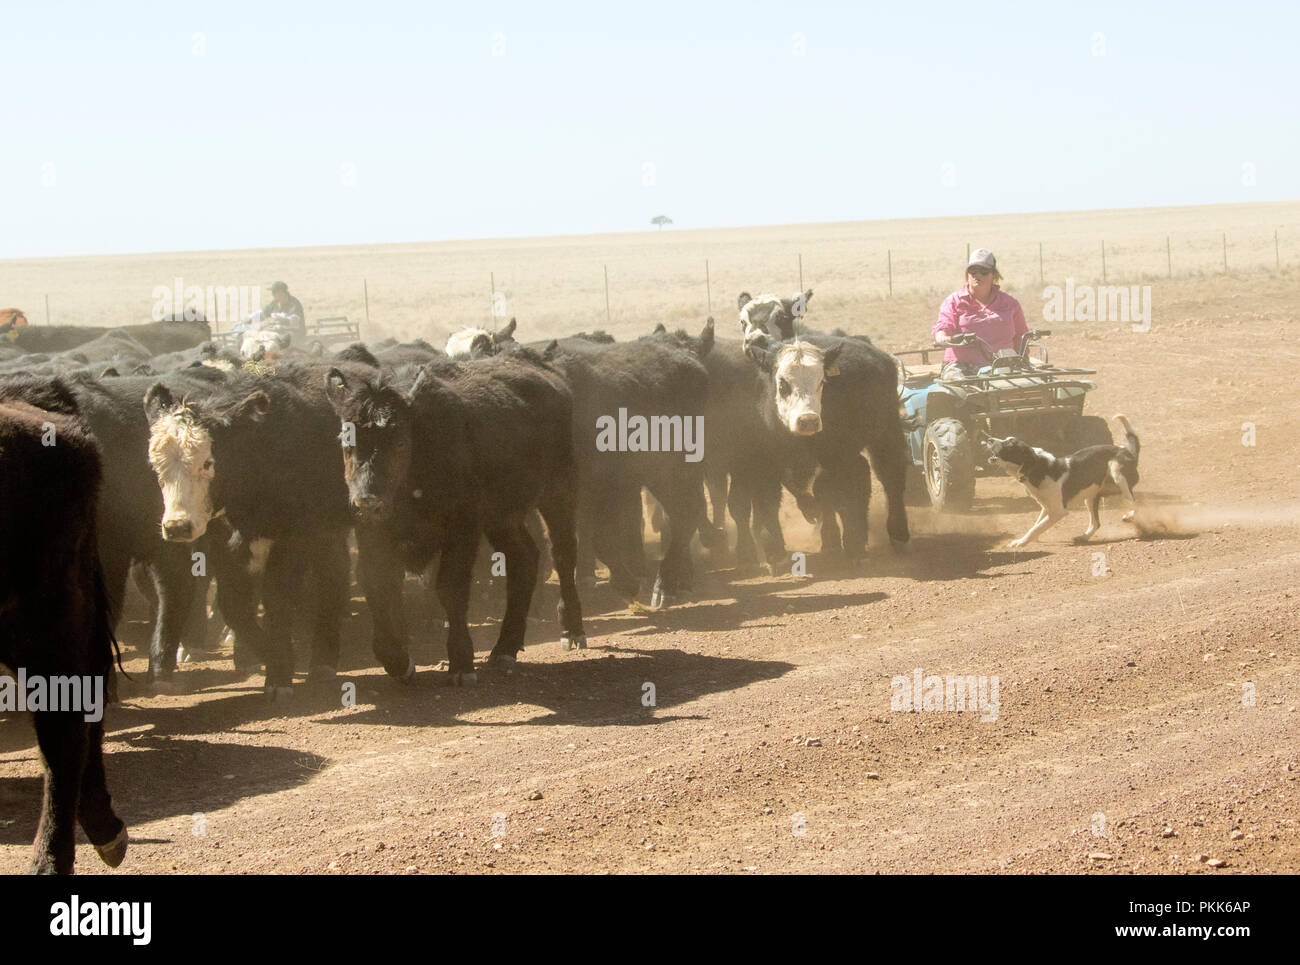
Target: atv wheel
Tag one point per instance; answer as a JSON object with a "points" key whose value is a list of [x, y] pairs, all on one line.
{"points": [[1088, 430], [949, 465]]}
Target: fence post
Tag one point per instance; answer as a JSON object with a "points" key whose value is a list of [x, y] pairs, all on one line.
{"points": [[889, 264], [492, 302], [1040, 263], [1225, 252], [968, 252], [1169, 256], [1103, 261], [365, 290], [47, 309], [708, 287], [1277, 258], [801, 271], [606, 267]]}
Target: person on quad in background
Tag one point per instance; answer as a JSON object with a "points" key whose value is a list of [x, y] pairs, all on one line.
{"points": [[981, 308], [284, 311]]}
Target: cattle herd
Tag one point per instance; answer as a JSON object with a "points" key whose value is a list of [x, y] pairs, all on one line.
{"points": [[148, 449]]}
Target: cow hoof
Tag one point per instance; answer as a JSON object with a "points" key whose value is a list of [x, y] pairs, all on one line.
{"points": [[280, 696], [573, 641], [657, 595], [410, 671], [462, 679], [322, 675], [113, 853], [899, 546]]}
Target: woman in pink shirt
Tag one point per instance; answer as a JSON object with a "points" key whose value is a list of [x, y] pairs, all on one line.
{"points": [[982, 308]]}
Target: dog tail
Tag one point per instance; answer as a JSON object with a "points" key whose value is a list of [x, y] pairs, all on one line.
{"points": [[1131, 441]]}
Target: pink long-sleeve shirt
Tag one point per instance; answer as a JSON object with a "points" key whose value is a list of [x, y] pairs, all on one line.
{"points": [[1000, 323]]}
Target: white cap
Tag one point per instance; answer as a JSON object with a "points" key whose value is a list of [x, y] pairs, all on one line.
{"points": [[982, 258]]}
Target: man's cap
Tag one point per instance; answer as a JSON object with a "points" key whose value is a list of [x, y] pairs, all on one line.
{"points": [[279, 286], [982, 258]]}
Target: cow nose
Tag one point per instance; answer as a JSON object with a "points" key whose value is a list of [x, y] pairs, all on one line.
{"points": [[369, 505], [177, 529], [808, 423]]}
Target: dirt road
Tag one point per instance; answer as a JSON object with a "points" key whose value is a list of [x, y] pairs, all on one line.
{"points": [[1146, 716]]}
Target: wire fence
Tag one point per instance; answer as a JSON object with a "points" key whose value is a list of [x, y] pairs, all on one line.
{"points": [[555, 286]]}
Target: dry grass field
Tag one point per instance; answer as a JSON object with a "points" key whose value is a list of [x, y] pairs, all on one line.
{"points": [[555, 285], [1149, 679]]}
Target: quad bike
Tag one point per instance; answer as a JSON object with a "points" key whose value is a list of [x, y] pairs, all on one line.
{"points": [[950, 421]]}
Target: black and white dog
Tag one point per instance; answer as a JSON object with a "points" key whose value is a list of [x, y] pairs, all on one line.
{"points": [[1058, 483]]}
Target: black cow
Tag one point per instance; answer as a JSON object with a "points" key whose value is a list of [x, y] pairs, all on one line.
{"points": [[55, 620], [440, 456], [156, 337], [263, 451], [665, 384]]}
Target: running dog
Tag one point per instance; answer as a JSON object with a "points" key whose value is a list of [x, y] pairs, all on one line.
{"points": [[1058, 483]]}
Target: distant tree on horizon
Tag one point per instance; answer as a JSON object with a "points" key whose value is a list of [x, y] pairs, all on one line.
{"points": [[661, 220]]}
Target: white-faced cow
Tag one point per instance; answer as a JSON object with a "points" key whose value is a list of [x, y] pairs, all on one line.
{"points": [[841, 395], [263, 451]]}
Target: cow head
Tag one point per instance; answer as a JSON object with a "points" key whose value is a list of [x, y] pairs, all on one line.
{"points": [[475, 343], [183, 444], [376, 441], [770, 315], [796, 372]]}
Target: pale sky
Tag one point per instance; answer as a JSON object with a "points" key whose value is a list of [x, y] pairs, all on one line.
{"points": [[159, 127]]}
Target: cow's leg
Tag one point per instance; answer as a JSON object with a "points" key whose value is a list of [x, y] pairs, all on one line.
{"points": [[95, 808], [281, 597], [174, 587], [238, 593], [767, 516], [557, 511], [740, 502], [889, 459], [514, 540], [826, 495], [684, 503], [381, 571], [455, 571], [330, 561], [617, 536], [713, 534], [62, 738], [854, 492]]}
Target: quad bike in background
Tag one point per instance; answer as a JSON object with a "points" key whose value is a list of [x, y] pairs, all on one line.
{"points": [[949, 421]]}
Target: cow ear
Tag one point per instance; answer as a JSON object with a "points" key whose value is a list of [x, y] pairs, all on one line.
{"points": [[158, 400], [110, 373], [744, 299], [706, 339], [421, 378], [757, 351], [660, 329], [336, 386], [506, 333], [251, 408], [831, 363], [551, 350], [807, 297]]}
